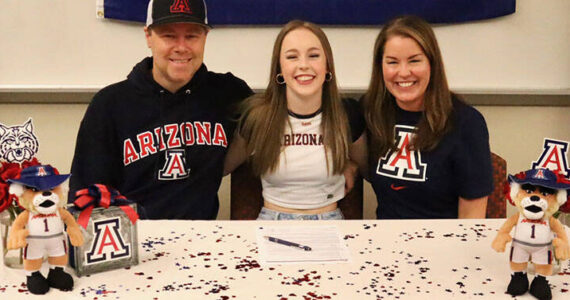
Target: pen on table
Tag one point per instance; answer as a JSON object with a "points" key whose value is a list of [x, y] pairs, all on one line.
{"points": [[287, 243]]}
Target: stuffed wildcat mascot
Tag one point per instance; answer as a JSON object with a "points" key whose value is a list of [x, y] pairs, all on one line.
{"points": [[42, 192], [537, 194]]}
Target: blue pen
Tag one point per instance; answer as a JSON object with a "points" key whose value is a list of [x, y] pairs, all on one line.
{"points": [[287, 243]]}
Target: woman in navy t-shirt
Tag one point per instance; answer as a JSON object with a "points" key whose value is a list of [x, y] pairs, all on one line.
{"points": [[429, 150]]}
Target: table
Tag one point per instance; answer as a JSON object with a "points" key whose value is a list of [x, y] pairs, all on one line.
{"points": [[400, 259]]}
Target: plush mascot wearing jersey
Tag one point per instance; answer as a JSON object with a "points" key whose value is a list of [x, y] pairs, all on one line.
{"points": [[42, 192], [537, 194]]}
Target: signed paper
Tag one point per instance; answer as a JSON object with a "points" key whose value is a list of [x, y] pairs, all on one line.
{"points": [[324, 240]]}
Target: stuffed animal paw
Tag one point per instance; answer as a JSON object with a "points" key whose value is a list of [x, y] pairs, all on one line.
{"points": [[17, 239], [561, 249], [500, 242], [75, 235]]}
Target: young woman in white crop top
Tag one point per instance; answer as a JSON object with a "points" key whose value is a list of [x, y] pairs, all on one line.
{"points": [[299, 136]]}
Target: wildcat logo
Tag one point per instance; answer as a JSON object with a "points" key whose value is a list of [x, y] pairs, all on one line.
{"points": [[108, 243], [553, 157], [18, 143], [175, 166], [180, 6], [403, 163]]}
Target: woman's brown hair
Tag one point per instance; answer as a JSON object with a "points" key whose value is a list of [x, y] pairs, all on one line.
{"points": [[380, 105], [265, 115]]}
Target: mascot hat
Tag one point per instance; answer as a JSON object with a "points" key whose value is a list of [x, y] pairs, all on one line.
{"points": [[541, 177], [41, 177]]}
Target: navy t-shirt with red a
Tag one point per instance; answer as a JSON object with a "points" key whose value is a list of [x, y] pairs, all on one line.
{"points": [[412, 184]]}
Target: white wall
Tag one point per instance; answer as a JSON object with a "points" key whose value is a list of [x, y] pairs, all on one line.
{"points": [[60, 42]]}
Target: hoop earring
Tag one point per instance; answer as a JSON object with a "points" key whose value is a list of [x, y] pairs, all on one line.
{"points": [[279, 79], [328, 76]]}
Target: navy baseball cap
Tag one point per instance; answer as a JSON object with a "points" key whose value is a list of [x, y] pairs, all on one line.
{"points": [[177, 11], [40, 177], [541, 177]]}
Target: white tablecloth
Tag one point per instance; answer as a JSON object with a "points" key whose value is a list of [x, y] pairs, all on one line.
{"points": [[417, 259]]}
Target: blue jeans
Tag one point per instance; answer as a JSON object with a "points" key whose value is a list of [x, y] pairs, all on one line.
{"points": [[269, 214]]}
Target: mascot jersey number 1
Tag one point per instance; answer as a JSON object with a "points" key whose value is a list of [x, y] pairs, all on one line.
{"points": [[42, 192], [537, 194]]}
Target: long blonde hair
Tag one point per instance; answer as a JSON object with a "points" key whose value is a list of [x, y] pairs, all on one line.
{"points": [[380, 106], [265, 115]]}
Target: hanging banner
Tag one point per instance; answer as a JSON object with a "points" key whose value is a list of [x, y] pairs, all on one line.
{"points": [[323, 12]]}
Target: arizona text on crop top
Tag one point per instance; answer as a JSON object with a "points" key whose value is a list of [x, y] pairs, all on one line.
{"points": [[301, 180]]}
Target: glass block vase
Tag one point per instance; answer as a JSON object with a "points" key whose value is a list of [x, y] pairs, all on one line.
{"points": [[10, 258]]}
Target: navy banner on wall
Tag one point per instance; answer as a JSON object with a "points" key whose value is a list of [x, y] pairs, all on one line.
{"points": [[326, 12]]}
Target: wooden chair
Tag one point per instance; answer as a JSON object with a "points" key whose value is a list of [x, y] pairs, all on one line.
{"points": [[496, 203], [245, 194], [246, 200]]}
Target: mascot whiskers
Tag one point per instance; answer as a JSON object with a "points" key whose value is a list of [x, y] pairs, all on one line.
{"points": [[537, 194], [39, 229]]}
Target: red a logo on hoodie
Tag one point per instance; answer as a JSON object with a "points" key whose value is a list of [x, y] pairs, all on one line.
{"points": [[180, 6]]}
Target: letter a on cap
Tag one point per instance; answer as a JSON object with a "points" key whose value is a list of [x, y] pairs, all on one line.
{"points": [[41, 171], [180, 6], [539, 174]]}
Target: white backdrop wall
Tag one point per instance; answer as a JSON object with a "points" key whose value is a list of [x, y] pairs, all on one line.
{"points": [[60, 43]]}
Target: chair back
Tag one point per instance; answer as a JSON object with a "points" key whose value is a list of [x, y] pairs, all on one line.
{"points": [[245, 195], [496, 203]]}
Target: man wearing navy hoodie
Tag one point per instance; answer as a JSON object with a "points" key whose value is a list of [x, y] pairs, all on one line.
{"points": [[161, 135]]}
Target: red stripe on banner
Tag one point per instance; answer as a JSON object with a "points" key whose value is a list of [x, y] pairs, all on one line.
{"points": [[26, 252]]}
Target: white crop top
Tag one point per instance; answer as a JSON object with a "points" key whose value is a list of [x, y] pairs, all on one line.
{"points": [[301, 180]]}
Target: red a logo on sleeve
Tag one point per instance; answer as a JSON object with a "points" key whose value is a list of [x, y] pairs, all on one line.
{"points": [[403, 163], [553, 157]]}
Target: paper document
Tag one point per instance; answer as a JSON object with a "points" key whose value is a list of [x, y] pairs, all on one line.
{"points": [[301, 244]]}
